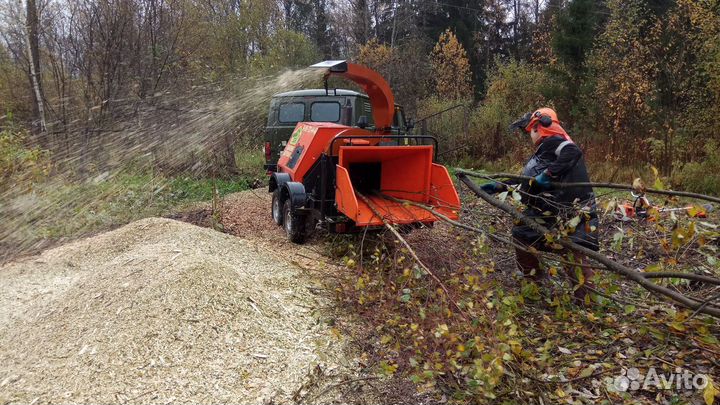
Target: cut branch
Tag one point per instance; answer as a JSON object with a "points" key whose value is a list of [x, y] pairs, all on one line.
{"points": [[464, 226], [591, 184], [703, 305], [500, 239], [611, 265], [688, 276], [402, 240], [551, 256]]}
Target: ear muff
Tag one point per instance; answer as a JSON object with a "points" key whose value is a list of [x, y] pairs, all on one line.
{"points": [[535, 118], [545, 120]]}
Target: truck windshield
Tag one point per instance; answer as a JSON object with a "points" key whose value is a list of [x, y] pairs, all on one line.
{"points": [[325, 111]]}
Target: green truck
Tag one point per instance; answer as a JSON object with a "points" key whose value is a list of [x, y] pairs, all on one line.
{"points": [[346, 107]]}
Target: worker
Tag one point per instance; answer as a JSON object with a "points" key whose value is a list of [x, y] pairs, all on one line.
{"points": [[557, 159]]}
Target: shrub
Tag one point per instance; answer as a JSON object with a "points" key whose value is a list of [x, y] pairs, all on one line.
{"points": [[701, 176], [18, 162], [448, 121], [480, 134], [289, 49], [514, 88]]}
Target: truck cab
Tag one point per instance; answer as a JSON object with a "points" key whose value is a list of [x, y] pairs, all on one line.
{"points": [[339, 106]]}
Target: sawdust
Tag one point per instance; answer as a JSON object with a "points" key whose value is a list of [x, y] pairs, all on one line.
{"points": [[247, 215], [163, 311]]}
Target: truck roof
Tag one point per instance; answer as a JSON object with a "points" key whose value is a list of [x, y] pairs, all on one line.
{"points": [[320, 92]]}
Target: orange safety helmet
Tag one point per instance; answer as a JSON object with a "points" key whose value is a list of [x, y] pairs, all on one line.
{"points": [[544, 120], [545, 116]]}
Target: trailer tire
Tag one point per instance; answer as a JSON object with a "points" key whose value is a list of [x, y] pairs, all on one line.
{"points": [[277, 180], [293, 223], [277, 207]]}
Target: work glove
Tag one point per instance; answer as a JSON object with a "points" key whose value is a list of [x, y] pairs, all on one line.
{"points": [[543, 180], [492, 187]]}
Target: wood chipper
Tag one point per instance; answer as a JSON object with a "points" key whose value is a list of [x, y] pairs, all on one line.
{"points": [[328, 173]]}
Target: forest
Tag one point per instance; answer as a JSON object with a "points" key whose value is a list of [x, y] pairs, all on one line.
{"points": [[636, 82]]}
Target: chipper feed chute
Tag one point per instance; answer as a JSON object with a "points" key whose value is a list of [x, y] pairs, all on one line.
{"points": [[403, 172], [326, 169]]}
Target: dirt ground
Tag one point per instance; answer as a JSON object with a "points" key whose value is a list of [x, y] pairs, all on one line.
{"points": [[164, 311]]}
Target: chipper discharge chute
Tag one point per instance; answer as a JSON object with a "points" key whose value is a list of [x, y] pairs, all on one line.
{"points": [[327, 171]]}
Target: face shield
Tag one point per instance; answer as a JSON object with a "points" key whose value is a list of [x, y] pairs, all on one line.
{"points": [[528, 119], [522, 122]]}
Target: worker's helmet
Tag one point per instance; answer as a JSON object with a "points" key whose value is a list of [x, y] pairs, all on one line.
{"points": [[544, 116]]}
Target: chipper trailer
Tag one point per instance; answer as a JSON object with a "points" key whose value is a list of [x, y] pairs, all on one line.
{"points": [[351, 178]]}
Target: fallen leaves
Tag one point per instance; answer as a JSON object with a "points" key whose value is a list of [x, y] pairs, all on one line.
{"points": [[710, 392], [526, 339]]}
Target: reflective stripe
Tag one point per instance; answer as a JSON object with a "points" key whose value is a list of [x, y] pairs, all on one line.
{"points": [[561, 146]]}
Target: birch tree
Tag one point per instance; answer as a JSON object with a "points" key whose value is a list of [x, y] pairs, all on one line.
{"points": [[34, 59]]}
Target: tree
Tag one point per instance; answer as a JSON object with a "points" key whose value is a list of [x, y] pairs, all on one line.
{"points": [[690, 73], [451, 68], [361, 25], [288, 49], [322, 30], [310, 18], [298, 15], [573, 30], [34, 58], [625, 69], [479, 27], [405, 68], [377, 56], [576, 28]]}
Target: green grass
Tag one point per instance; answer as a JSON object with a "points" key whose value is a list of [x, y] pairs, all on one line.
{"points": [[71, 209], [250, 161], [54, 208], [186, 189]]}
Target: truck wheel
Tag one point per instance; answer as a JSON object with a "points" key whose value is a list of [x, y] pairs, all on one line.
{"points": [[294, 224], [277, 214]]}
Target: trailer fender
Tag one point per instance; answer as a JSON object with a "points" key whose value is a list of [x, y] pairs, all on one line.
{"points": [[295, 192], [277, 180]]}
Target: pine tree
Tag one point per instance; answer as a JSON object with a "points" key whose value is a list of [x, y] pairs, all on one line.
{"points": [[576, 28]]}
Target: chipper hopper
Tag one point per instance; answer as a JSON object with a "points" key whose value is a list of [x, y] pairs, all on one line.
{"points": [[350, 178]]}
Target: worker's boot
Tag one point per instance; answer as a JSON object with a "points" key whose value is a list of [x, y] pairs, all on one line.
{"points": [[529, 264]]}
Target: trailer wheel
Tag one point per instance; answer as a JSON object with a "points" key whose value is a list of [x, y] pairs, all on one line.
{"points": [[277, 212], [293, 223]]}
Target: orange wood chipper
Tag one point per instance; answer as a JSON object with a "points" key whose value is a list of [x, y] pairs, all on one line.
{"points": [[328, 172]]}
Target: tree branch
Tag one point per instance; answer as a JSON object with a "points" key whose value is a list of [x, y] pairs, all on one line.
{"points": [[591, 184], [604, 260], [688, 276], [551, 256]]}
